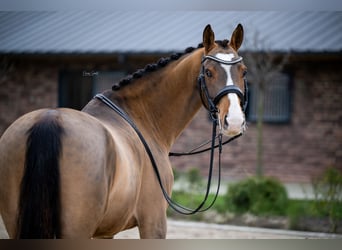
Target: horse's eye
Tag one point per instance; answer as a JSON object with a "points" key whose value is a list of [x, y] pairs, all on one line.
{"points": [[208, 73]]}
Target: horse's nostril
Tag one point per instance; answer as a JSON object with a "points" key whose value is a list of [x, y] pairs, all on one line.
{"points": [[234, 124], [226, 124]]}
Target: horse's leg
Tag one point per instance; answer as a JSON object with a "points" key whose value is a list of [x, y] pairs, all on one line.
{"points": [[152, 220], [151, 210], [153, 226], [152, 206]]}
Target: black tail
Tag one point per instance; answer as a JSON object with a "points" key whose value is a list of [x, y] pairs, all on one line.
{"points": [[39, 204]]}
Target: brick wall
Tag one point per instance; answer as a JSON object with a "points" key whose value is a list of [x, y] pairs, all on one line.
{"points": [[27, 87], [294, 152]]}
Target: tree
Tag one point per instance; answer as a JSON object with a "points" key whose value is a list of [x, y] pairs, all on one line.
{"points": [[263, 65]]}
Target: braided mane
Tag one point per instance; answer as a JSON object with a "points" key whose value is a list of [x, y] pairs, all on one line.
{"points": [[161, 63]]}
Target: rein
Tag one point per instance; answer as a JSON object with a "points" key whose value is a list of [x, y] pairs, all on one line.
{"points": [[213, 113], [177, 207], [194, 152]]}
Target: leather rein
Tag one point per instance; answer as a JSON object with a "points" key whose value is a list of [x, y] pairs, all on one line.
{"points": [[210, 104]]}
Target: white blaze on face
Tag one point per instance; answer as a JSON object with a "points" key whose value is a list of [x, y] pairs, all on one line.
{"points": [[235, 117]]}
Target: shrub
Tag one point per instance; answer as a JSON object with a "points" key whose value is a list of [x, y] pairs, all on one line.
{"points": [[296, 210], [176, 174], [257, 195], [328, 196], [194, 179]]}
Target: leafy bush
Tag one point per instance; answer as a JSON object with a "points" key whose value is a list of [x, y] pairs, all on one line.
{"points": [[328, 196], [194, 177], [195, 180], [298, 209], [176, 174], [257, 195]]}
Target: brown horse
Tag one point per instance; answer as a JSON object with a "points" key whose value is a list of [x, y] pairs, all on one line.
{"points": [[71, 174]]}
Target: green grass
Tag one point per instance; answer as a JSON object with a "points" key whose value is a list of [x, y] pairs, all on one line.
{"points": [[194, 200]]}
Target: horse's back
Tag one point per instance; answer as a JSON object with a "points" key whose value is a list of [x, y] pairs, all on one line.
{"points": [[86, 167]]}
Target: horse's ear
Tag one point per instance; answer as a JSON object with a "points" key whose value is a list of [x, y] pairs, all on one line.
{"points": [[237, 37], [208, 39]]}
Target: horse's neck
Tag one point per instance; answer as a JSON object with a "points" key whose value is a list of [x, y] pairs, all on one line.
{"points": [[164, 102]]}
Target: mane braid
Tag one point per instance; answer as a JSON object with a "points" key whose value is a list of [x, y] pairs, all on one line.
{"points": [[161, 63], [224, 43]]}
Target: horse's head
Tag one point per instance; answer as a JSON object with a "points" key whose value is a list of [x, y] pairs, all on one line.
{"points": [[222, 81]]}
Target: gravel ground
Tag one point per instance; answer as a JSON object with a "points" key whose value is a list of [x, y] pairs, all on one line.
{"points": [[200, 230], [3, 232]]}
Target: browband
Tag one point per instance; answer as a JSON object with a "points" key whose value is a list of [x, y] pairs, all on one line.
{"points": [[234, 61], [212, 102]]}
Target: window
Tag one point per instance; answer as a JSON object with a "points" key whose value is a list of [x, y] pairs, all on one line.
{"points": [[277, 100], [105, 80], [76, 88]]}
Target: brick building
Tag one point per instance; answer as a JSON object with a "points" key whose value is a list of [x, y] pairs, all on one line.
{"points": [[52, 59]]}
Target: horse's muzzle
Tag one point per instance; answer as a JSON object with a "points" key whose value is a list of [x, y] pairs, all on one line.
{"points": [[234, 126]]}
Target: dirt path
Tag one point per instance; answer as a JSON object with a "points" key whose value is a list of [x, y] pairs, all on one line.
{"points": [[3, 232], [199, 230]]}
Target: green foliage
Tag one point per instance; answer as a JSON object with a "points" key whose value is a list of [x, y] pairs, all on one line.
{"points": [[298, 209], [189, 200], [328, 193], [194, 177], [195, 180], [176, 174], [257, 195], [264, 196]]}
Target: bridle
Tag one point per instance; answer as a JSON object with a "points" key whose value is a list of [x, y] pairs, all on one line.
{"points": [[212, 102]]}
